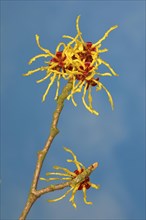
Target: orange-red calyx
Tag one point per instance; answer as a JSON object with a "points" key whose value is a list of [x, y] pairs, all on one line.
{"points": [[59, 58], [86, 71], [89, 47], [91, 82]]}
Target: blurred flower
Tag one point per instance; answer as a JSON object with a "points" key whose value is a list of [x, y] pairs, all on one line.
{"points": [[78, 180], [77, 61]]}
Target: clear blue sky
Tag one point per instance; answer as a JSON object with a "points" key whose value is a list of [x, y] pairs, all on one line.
{"points": [[115, 139]]}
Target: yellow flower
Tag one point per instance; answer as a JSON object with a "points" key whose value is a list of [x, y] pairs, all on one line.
{"points": [[85, 61], [79, 61], [54, 67], [78, 180]]}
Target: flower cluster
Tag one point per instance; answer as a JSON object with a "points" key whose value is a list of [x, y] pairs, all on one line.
{"points": [[78, 180], [77, 61]]}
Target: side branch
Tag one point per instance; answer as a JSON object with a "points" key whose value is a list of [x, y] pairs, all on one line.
{"points": [[52, 188], [33, 195], [53, 132]]}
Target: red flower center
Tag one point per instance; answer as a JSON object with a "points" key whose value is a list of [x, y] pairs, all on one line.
{"points": [[89, 47], [86, 71], [59, 58]]}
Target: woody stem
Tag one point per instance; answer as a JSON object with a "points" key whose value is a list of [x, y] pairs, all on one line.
{"points": [[33, 195]]}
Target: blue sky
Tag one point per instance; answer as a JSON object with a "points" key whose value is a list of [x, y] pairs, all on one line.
{"points": [[115, 138]]}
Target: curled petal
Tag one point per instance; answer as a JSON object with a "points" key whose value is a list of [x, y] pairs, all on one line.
{"points": [[73, 196], [65, 170], [108, 94], [73, 101], [43, 49], [85, 104], [105, 35], [70, 151], [78, 29], [36, 57], [104, 74], [103, 50], [90, 97], [67, 36], [59, 45], [60, 174], [108, 66], [49, 86], [58, 87], [61, 197], [95, 186], [44, 78], [34, 71], [75, 161], [85, 197], [55, 178]]}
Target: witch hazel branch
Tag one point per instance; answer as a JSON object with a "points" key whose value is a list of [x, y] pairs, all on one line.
{"points": [[76, 62]]}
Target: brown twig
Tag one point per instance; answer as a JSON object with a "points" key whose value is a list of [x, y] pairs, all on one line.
{"points": [[34, 193]]}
